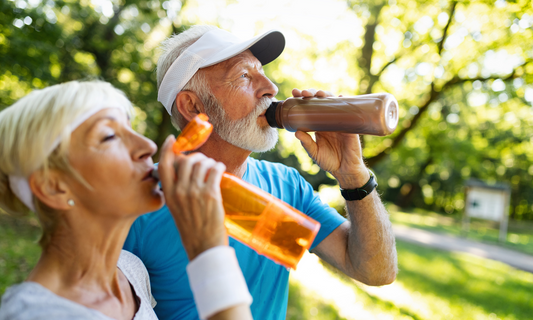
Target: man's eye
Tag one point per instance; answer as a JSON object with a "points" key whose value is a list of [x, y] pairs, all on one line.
{"points": [[244, 75]]}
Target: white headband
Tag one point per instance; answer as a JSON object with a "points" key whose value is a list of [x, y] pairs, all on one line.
{"points": [[213, 47], [20, 185]]}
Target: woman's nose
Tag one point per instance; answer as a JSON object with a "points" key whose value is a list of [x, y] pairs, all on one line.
{"points": [[142, 148]]}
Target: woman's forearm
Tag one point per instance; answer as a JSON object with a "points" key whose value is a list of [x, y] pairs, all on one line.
{"points": [[238, 312]]}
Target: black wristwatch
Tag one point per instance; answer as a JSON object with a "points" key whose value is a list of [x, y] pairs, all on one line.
{"points": [[360, 193]]}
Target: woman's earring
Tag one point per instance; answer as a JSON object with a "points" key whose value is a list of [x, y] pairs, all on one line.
{"points": [[70, 202]]}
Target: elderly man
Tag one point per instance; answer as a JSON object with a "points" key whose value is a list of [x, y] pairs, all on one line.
{"points": [[205, 69]]}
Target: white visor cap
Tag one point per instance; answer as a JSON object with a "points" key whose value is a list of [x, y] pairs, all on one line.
{"points": [[213, 47]]}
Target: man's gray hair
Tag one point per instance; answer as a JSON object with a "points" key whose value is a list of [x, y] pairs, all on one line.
{"points": [[172, 48]]}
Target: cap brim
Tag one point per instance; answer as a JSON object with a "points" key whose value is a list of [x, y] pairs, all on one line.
{"points": [[265, 48]]}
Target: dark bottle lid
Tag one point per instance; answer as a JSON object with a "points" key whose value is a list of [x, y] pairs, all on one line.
{"points": [[271, 115]]}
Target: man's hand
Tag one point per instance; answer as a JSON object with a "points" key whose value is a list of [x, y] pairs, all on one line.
{"points": [[338, 153], [191, 184], [364, 246]]}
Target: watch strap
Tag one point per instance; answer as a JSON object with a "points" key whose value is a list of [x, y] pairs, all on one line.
{"points": [[360, 193]]}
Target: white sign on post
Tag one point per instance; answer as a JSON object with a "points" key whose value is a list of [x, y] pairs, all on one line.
{"points": [[484, 203], [489, 202]]}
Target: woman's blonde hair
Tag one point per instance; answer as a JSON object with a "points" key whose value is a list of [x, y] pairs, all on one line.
{"points": [[35, 135]]}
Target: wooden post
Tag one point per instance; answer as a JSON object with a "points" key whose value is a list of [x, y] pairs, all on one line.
{"points": [[505, 219], [466, 219]]}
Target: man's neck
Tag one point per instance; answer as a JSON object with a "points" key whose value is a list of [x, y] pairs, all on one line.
{"points": [[233, 157]]}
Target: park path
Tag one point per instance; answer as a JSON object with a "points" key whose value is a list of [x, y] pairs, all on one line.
{"points": [[349, 302], [513, 258]]}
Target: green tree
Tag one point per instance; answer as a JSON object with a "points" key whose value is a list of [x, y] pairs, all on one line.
{"points": [[465, 116], [462, 73], [49, 42]]}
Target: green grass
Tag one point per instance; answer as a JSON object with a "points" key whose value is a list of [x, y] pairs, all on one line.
{"points": [[305, 306], [519, 235], [446, 285], [19, 250], [465, 286]]}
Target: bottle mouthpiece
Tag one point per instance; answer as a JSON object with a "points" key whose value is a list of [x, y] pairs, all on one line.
{"points": [[271, 115], [155, 173]]}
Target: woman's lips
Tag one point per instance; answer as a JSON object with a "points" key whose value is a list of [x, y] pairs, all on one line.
{"points": [[148, 175]]}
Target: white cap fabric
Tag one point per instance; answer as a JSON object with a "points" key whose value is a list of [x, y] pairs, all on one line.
{"points": [[213, 47]]}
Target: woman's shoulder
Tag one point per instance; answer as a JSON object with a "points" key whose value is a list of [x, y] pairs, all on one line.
{"points": [[31, 301], [130, 263], [133, 268], [135, 271], [20, 296]]}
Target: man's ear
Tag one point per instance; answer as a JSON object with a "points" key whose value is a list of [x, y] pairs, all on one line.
{"points": [[50, 189], [189, 105]]}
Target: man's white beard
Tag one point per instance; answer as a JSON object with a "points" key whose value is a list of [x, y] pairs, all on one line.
{"points": [[244, 133]]}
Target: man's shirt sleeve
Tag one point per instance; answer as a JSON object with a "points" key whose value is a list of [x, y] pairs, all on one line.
{"points": [[311, 205]]}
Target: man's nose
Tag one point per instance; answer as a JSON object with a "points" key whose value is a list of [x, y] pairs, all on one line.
{"points": [[267, 88]]}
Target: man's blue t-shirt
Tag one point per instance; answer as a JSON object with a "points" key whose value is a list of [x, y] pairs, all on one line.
{"points": [[155, 239]]}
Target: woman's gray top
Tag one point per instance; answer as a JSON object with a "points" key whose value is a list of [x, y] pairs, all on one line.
{"points": [[31, 301]]}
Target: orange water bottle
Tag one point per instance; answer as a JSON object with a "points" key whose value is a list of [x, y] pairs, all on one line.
{"points": [[256, 218]]}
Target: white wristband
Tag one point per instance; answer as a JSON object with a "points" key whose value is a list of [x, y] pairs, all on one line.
{"points": [[216, 281]]}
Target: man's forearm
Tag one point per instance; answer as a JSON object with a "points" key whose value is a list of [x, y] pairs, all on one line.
{"points": [[371, 249]]}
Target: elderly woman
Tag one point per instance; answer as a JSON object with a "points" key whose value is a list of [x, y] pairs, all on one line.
{"points": [[69, 154]]}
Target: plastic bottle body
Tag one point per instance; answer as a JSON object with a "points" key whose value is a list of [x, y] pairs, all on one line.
{"points": [[372, 114], [253, 216], [265, 223]]}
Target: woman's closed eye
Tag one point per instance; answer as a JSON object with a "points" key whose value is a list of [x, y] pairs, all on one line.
{"points": [[109, 137]]}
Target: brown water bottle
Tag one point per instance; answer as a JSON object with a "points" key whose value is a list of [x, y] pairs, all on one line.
{"points": [[371, 114]]}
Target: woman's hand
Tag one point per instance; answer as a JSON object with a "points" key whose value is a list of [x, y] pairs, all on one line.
{"points": [[191, 184]]}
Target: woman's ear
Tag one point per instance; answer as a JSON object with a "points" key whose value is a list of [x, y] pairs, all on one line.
{"points": [[189, 105], [50, 189]]}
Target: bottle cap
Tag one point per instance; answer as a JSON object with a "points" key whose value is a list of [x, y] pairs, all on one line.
{"points": [[194, 135]]}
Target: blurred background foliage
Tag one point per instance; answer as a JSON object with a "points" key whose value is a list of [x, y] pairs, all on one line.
{"points": [[461, 71]]}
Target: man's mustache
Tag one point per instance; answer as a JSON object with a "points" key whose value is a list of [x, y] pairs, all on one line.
{"points": [[262, 105]]}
